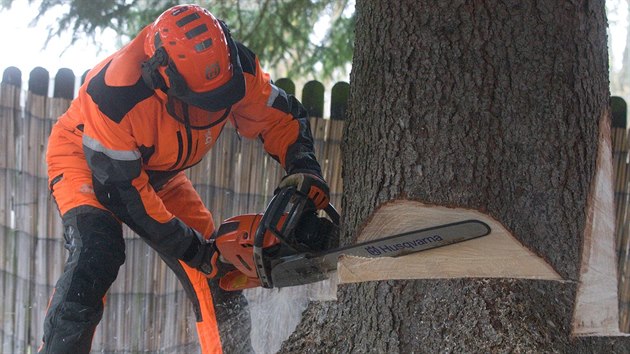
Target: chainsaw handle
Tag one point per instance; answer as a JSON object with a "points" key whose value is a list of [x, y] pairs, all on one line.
{"points": [[272, 215], [276, 209], [333, 214], [270, 221]]}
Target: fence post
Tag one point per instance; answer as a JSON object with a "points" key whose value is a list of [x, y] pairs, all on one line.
{"points": [[35, 137], [48, 234], [64, 84], [621, 172], [313, 98], [38, 81], [287, 85], [11, 307], [9, 115], [619, 110], [339, 100], [12, 76]]}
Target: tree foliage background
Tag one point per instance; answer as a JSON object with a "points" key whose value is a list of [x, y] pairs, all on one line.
{"points": [[281, 32]]}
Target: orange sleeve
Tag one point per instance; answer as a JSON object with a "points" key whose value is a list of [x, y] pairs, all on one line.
{"points": [[115, 159], [279, 120]]}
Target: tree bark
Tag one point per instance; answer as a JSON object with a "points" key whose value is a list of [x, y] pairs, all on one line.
{"points": [[489, 105]]}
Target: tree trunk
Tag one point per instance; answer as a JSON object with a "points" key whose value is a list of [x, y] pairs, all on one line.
{"points": [[488, 105]]}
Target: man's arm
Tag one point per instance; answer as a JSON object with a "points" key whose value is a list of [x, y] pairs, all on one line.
{"points": [[122, 186], [119, 181], [277, 118]]}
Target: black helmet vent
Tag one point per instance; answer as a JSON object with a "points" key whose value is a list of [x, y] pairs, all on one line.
{"points": [[188, 19]]}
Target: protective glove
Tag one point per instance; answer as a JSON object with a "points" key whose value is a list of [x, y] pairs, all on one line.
{"points": [[311, 185], [208, 260]]}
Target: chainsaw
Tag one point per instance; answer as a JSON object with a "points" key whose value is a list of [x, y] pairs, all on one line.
{"points": [[292, 244]]}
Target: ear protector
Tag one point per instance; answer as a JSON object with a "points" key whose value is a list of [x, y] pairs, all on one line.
{"points": [[150, 70]]}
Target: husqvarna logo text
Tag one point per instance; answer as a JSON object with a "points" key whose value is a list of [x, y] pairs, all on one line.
{"points": [[384, 249]]}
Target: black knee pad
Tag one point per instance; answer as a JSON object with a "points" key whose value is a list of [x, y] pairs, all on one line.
{"points": [[97, 250]]}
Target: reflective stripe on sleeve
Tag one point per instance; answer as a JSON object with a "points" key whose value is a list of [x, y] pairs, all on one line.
{"points": [[120, 155], [274, 93]]}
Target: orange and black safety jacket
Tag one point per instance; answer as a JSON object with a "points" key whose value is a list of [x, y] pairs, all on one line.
{"points": [[133, 144]]}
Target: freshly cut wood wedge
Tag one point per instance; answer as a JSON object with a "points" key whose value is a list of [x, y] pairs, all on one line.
{"points": [[497, 255]]}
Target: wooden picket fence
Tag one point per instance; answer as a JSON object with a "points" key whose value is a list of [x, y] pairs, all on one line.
{"points": [[621, 165], [147, 309]]}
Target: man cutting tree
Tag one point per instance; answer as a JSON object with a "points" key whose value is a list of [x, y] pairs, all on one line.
{"points": [[144, 115]]}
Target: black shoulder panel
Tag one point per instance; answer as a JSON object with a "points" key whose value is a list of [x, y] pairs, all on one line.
{"points": [[247, 58], [116, 101]]}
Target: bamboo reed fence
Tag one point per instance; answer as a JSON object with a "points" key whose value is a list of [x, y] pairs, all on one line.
{"points": [[621, 165], [147, 309]]}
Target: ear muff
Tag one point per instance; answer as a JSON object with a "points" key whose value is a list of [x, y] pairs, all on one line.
{"points": [[150, 70]]}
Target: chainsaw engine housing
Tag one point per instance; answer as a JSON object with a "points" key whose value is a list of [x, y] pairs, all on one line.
{"points": [[256, 243]]}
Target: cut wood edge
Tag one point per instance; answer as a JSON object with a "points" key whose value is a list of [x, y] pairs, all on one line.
{"points": [[497, 255], [596, 310]]}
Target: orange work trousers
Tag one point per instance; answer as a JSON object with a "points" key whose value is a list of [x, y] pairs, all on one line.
{"points": [[95, 242]]}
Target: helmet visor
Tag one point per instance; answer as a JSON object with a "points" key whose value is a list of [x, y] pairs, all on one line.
{"points": [[193, 116]]}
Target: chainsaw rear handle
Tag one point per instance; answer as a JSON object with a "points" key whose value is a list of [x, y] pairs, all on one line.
{"points": [[270, 222]]}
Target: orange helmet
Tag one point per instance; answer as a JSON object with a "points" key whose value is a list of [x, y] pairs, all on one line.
{"points": [[193, 58]]}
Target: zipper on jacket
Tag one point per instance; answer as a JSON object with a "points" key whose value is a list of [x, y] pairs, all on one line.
{"points": [[188, 133], [180, 152]]}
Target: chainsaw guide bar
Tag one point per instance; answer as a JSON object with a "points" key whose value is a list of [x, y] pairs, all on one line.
{"points": [[304, 269]]}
